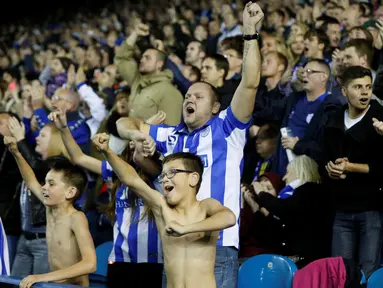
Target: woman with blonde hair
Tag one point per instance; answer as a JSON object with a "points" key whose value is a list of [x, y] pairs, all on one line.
{"points": [[295, 47], [304, 208]]}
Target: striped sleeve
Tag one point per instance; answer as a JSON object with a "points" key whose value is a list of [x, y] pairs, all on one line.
{"points": [[106, 171], [160, 134], [233, 128]]}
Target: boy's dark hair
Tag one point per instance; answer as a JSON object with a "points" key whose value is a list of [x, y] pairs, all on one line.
{"points": [[321, 36], [327, 21], [354, 72], [190, 161], [71, 174], [269, 131], [221, 63]]}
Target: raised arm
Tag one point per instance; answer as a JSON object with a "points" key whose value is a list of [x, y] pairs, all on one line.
{"points": [[127, 127], [127, 174], [75, 152], [25, 170], [243, 101], [88, 261], [218, 217]]}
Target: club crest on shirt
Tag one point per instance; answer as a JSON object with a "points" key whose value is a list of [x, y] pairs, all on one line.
{"points": [[309, 117], [172, 139], [205, 132]]}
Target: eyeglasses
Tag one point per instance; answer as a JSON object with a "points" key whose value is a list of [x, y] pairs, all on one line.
{"points": [[171, 173], [228, 56], [310, 71]]}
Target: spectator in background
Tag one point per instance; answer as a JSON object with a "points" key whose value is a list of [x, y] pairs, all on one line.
{"points": [[233, 52], [151, 87], [300, 206], [230, 26], [331, 27], [214, 71], [195, 53], [260, 232], [353, 159]]}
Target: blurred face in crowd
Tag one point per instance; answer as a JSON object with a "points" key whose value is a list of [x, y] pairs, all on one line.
{"points": [[270, 66], [4, 62], [122, 106], [338, 65], [65, 99], [334, 35], [150, 63], [168, 32], [56, 67], [274, 20], [312, 47], [210, 73], [4, 130], [357, 34], [234, 59], [214, 28], [314, 77], [358, 93], [7, 77], [351, 58], [93, 59], [297, 44], [269, 44], [267, 186], [187, 72], [26, 92], [112, 38], [194, 53], [265, 146], [199, 105], [79, 55], [351, 18], [297, 29], [200, 33], [42, 142], [107, 77], [290, 175]]}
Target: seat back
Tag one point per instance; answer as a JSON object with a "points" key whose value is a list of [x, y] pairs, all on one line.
{"points": [[267, 271], [376, 279]]}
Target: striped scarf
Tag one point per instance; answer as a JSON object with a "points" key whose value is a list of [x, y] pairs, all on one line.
{"points": [[288, 191]]}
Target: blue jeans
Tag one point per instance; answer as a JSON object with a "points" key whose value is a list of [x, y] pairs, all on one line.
{"points": [[31, 257], [225, 269], [12, 245], [359, 236]]}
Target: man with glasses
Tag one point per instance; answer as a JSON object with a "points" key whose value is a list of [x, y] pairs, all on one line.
{"points": [[306, 113]]}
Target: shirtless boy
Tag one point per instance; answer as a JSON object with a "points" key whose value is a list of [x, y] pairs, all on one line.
{"points": [[71, 252], [188, 228]]}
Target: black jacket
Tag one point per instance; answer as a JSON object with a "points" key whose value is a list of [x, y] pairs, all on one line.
{"points": [[226, 92], [307, 218], [360, 144], [41, 169]]}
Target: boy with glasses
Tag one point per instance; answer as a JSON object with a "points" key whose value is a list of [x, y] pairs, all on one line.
{"points": [[188, 228]]}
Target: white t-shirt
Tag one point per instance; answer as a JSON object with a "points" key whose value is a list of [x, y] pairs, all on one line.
{"points": [[348, 122]]}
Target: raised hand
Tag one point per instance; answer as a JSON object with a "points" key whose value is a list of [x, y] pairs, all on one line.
{"points": [[59, 118], [71, 76], [378, 125], [175, 229], [252, 18], [17, 129], [157, 118], [80, 75], [142, 30], [11, 143], [101, 141]]}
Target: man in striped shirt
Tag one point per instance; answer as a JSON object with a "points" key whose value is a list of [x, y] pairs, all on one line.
{"points": [[218, 139]]}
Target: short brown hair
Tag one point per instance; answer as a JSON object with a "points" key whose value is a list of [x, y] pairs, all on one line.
{"points": [[362, 47], [190, 161]]}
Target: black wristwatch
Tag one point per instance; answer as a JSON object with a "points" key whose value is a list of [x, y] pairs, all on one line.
{"points": [[251, 37]]}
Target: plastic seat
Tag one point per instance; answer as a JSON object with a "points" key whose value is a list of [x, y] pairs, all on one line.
{"points": [[98, 278], [267, 271], [376, 279]]}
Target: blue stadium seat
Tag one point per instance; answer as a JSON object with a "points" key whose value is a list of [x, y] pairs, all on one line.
{"points": [[98, 278], [376, 279], [267, 271]]}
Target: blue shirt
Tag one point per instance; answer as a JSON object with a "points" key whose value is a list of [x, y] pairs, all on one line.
{"points": [[219, 144]]}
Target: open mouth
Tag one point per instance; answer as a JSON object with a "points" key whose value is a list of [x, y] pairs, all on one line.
{"points": [[168, 188], [363, 100], [305, 82], [46, 196], [190, 110]]}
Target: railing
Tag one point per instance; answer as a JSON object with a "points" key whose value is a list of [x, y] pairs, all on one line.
{"points": [[16, 281]]}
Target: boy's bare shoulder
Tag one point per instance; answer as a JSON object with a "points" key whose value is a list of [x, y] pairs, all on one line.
{"points": [[78, 218]]}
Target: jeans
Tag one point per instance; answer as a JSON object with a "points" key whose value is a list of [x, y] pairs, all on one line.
{"points": [[31, 257], [359, 236], [225, 269], [12, 246]]}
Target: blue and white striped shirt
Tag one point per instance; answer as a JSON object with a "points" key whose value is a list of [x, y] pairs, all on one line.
{"points": [[135, 241], [4, 254], [219, 143]]}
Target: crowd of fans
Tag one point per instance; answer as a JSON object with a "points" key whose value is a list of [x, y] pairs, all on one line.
{"points": [[302, 175]]}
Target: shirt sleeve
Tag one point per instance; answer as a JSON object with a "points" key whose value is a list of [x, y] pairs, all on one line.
{"points": [[106, 171], [160, 134], [234, 129]]}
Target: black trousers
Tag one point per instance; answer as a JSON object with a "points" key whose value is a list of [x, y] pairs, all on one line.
{"points": [[134, 274]]}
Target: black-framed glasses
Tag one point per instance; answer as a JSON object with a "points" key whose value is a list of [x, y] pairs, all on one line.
{"points": [[310, 71], [171, 173]]}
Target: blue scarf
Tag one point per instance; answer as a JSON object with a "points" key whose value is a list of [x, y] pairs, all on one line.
{"points": [[288, 191]]}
